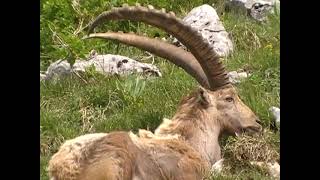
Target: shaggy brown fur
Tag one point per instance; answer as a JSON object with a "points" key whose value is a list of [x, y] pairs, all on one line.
{"points": [[182, 148]]}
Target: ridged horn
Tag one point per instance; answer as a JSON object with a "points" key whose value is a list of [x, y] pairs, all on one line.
{"points": [[177, 56], [188, 36]]}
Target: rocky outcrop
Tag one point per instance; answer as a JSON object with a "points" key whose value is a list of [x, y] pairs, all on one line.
{"points": [[108, 64], [258, 9], [206, 20]]}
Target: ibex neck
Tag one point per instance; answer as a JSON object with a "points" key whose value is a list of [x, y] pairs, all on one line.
{"points": [[199, 128], [206, 142], [200, 135]]}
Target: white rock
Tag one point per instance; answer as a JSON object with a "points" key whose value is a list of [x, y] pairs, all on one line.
{"points": [[236, 77], [276, 113], [42, 76], [57, 69], [108, 64], [206, 20], [273, 168], [258, 9]]}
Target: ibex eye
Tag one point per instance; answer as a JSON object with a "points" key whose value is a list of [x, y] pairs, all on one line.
{"points": [[229, 99]]}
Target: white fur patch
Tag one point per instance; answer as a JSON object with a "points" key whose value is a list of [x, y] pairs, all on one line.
{"points": [[161, 131], [67, 160], [218, 166], [148, 134], [78, 143], [163, 126], [144, 135]]}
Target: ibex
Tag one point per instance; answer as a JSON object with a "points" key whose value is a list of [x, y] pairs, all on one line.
{"points": [[182, 148]]}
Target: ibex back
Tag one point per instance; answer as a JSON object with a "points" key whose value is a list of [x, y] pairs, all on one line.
{"points": [[182, 148]]}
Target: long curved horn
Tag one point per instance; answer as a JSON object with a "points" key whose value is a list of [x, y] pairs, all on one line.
{"points": [[176, 55], [193, 40]]}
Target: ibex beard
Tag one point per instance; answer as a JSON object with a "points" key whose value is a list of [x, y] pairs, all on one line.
{"points": [[184, 147]]}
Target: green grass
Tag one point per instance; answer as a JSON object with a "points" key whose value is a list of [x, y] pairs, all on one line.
{"points": [[73, 107]]}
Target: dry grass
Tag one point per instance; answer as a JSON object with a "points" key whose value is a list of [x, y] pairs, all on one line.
{"points": [[239, 152], [245, 148]]}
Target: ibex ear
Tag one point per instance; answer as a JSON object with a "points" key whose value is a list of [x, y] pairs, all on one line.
{"points": [[203, 96]]}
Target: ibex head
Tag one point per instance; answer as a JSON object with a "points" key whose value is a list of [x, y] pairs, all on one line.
{"points": [[231, 113], [217, 96]]}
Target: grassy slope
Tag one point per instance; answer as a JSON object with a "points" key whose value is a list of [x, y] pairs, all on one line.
{"points": [[73, 107]]}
